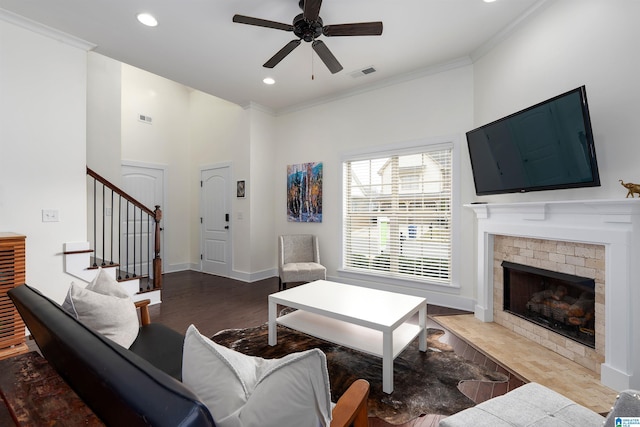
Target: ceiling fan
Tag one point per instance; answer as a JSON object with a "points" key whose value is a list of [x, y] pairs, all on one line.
{"points": [[308, 26]]}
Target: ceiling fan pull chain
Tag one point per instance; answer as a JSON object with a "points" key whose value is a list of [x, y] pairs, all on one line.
{"points": [[312, 67]]}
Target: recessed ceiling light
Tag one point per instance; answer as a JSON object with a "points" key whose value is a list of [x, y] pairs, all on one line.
{"points": [[268, 81], [489, 1], [147, 20]]}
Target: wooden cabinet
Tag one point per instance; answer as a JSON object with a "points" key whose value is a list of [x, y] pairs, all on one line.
{"points": [[12, 274]]}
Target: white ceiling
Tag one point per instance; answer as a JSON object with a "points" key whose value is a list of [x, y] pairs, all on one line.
{"points": [[198, 45]]}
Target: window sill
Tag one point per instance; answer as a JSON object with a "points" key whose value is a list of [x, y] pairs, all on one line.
{"points": [[381, 281]]}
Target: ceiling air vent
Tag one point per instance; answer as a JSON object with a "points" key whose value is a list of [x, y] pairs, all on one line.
{"points": [[363, 72]]}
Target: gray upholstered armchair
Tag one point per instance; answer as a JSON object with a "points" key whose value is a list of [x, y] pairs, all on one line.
{"points": [[299, 259]]}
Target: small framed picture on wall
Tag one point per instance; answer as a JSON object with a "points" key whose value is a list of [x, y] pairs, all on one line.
{"points": [[240, 189]]}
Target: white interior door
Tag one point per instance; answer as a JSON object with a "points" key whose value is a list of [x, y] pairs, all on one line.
{"points": [[215, 232], [146, 185]]}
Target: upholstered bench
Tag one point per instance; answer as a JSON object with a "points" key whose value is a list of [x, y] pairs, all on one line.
{"points": [[529, 405]]}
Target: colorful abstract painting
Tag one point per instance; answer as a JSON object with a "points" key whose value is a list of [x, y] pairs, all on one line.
{"points": [[304, 192]]}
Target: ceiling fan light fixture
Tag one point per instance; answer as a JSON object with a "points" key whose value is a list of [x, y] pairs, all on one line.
{"points": [[268, 81], [308, 26], [147, 19]]}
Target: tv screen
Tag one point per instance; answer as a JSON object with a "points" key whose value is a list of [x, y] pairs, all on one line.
{"points": [[544, 147]]}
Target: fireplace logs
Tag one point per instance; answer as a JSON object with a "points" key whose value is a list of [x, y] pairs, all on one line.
{"points": [[558, 301], [554, 303]]}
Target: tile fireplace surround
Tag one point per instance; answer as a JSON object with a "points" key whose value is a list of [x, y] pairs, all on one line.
{"points": [[614, 224]]}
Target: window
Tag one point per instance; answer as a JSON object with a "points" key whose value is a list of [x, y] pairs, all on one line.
{"points": [[397, 214]]}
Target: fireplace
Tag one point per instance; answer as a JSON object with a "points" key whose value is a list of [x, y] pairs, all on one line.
{"points": [[610, 229], [562, 303]]}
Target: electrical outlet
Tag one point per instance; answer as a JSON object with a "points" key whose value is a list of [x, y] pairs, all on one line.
{"points": [[144, 119], [50, 215]]}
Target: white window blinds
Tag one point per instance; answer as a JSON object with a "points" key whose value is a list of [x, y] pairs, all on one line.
{"points": [[397, 215]]}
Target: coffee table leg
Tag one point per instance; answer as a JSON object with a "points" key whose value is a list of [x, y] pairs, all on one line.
{"points": [[422, 321], [387, 362], [273, 329]]}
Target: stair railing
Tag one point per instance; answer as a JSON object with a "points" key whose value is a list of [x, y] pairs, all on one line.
{"points": [[124, 233]]}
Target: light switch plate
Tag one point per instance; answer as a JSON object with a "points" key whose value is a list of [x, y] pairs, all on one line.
{"points": [[50, 215]]}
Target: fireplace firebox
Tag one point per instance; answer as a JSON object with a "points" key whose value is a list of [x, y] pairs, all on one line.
{"points": [[561, 302]]}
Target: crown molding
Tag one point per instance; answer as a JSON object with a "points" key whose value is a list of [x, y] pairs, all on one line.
{"points": [[46, 31], [251, 105], [506, 32], [391, 81]]}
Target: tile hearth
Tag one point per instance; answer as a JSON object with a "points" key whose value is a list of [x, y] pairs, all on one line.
{"points": [[531, 361]]}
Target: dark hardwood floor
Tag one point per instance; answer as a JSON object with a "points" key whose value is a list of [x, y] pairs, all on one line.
{"points": [[213, 303]]}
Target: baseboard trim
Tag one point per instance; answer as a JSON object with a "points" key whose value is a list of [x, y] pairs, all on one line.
{"points": [[174, 268], [253, 277]]}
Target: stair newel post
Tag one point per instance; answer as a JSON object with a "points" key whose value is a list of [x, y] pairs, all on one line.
{"points": [[104, 256], [126, 239], [111, 229], [157, 261], [120, 236], [95, 221], [149, 259]]}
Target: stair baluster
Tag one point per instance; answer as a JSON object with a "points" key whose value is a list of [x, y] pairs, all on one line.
{"points": [[119, 234], [130, 260], [112, 215], [95, 220], [103, 227]]}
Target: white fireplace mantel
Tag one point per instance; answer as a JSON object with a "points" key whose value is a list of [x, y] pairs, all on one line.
{"points": [[613, 223]]}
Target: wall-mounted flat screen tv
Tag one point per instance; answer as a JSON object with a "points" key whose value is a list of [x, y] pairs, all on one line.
{"points": [[544, 147]]}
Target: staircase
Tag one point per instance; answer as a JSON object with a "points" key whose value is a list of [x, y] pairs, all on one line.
{"points": [[124, 239]]}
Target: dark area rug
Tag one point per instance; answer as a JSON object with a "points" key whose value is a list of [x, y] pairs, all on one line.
{"points": [[424, 383]]}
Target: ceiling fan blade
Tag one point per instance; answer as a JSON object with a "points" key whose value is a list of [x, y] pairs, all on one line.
{"points": [[327, 57], [311, 10], [286, 50], [241, 19], [359, 29]]}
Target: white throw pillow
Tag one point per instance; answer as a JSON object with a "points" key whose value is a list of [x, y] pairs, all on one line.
{"points": [[246, 391], [106, 307]]}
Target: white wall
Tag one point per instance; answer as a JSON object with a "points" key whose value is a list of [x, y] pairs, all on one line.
{"points": [[217, 131], [165, 143], [568, 44], [263, 189], [104, 128], [190, 131], [565, 44], [42, 149], [425, 108]]}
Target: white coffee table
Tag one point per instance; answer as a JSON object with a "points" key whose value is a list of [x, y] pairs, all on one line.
{"points": [[367, 320]]}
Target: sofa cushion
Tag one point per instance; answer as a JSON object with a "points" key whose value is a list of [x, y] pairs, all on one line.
{"points": [[302, 272], [162, 347], [531, 405], [106, 307], [243, 391]]}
